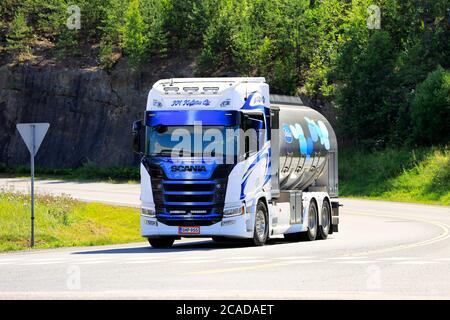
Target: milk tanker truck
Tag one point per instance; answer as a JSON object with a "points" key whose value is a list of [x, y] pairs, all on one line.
{"points": [[280, 180]]}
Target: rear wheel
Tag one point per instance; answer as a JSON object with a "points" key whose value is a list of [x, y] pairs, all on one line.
{"points": [[161, 243], [313, 218], [261, 231], [325, 226]]}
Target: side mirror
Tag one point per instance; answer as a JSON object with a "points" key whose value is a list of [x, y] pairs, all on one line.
{"points": [[137, 133]]}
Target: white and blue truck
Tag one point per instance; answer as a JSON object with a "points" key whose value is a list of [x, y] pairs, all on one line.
{"points": [[224, 159]]}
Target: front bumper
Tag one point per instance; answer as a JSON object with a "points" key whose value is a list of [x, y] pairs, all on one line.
{"points": [[234, 227]]}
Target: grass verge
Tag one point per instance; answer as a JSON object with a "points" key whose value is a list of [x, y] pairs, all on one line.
{"points": [[64, 222], [421, 175]]}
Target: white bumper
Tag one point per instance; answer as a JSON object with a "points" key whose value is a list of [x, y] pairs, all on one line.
{"points": [[236, 227]]}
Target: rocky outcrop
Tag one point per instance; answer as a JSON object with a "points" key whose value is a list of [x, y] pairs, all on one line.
{"points": [[90, 111]]}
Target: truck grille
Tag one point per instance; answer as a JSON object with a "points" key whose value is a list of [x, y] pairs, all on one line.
{"points": [[189, 202]]}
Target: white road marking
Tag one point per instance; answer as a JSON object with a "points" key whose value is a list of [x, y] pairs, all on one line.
{"points": [[197, 261], [142, 261], [8, 260], [303, 261], [47, 260], [248, 261], [346, 258], [91, 262], [295, 258], [243, 258], [39, 263], [193, 258], [356, 262], [443, 259], [397, 259], [417, 262]]}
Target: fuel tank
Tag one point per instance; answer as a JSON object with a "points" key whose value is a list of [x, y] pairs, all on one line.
{"points": [[307, 150]]}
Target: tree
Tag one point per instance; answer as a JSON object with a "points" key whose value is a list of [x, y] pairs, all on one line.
{"points": [[365, 72], [430, 109], [19, 34], [134, 40]]}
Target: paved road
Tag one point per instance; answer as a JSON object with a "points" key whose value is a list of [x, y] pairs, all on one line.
{"points": [[384, 250]]}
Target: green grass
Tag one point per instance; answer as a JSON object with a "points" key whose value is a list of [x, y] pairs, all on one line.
{"points": [[63, 222], [421, 175]]}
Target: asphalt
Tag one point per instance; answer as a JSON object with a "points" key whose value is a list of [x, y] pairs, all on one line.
{"points": [[384, 250]]}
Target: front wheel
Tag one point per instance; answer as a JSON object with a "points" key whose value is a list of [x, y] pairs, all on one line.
{"points": [[261, 231], [161, 243]]}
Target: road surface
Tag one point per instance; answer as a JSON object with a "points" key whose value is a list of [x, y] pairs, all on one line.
{"points": [[384, 250]]}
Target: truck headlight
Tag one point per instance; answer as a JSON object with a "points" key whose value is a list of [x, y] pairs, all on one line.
{"points": [[232, 212], [150, 213]]}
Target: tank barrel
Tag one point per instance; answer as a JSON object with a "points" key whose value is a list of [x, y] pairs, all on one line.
{"points": [[307, 148]]}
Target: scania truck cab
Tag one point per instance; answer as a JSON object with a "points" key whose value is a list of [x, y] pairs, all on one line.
{"points": [[222, 158]]}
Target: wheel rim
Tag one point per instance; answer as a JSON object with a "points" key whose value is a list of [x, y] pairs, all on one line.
{"points": [[325, 218], [260, 225], [312, 223]]}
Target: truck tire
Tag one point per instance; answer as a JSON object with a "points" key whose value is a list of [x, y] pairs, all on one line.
{"points": [[313, 221], [325, 227], [161, 243], [261, 231]]}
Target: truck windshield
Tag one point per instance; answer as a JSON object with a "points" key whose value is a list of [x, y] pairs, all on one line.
{"points": [[204, 141]]}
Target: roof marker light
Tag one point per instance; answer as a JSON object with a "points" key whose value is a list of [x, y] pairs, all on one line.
{"points": [[212, 90], [171, 89], [191, 90]]}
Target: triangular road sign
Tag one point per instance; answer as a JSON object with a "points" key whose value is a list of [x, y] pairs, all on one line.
{"points": [[33, 142]]}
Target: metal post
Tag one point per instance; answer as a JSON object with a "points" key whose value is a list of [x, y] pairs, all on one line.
{"points": [[33, 136]]}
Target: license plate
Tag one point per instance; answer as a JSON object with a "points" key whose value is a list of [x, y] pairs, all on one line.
{"points": [[188, 230]]}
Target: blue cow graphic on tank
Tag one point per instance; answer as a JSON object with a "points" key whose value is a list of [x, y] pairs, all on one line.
{"points": [[318, 132]]}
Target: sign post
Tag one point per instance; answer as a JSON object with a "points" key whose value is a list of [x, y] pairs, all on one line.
{"points": [[32, 134]]}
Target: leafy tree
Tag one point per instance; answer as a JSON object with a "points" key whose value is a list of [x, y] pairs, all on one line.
{"points": [[134, 40], [365, 70], [155, 13], [19, 34], [430, 109]]}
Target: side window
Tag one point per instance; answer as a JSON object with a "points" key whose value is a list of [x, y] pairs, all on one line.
{"points": [[254, 133]]}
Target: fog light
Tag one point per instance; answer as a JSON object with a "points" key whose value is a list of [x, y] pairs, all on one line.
{"points": [[148, 212], [228, 223]]}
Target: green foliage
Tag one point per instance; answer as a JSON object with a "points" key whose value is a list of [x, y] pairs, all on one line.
{"points": [[106, 55], [68, 44], [134, 39], [155, 13], [19, 34], [430, 109], [421, 175], [186, 21], [366, 67]]}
